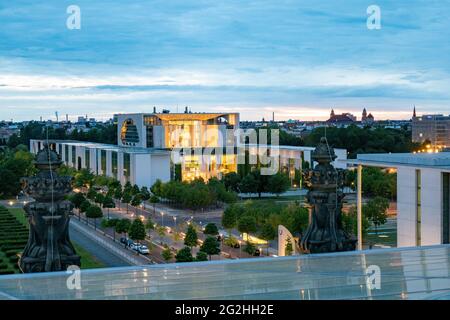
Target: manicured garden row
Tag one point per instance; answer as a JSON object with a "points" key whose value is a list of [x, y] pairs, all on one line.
{"points": [[13, 238]]}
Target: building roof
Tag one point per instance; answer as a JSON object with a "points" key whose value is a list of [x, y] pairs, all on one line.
{"points": [[109, 147], [339, 118], [440, 160], [406, 273]]}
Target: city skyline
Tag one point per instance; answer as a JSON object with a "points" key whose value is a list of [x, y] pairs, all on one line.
{"points": [[297, 59]]}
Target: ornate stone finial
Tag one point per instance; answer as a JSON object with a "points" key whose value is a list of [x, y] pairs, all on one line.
{"points": [[49, 247], [325, 233]]}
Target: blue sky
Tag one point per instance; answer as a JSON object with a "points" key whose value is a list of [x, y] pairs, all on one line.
{"points": [[297, 58]]}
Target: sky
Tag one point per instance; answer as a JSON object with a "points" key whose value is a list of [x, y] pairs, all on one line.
{"points": [[298, 59]]}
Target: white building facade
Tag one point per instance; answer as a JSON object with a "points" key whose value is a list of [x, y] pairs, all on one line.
{"points": [[423, 195], [135, 165]]}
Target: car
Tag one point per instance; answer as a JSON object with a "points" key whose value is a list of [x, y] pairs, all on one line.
{"points": [[129, 243], [123, 240], [257, 253], [143, 250]]}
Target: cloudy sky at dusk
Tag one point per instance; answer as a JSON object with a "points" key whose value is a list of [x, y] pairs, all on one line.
{"points": [[296, 58]]}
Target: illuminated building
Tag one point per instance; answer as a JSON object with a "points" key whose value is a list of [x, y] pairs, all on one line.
{"points": [[181, 146], [432, 128]]}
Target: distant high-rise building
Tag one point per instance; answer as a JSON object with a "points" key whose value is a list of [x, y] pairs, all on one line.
{"points": [[434, 128]]}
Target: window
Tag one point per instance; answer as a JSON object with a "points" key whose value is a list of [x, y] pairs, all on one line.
{"points": [[446, 208], [74, 155], [87, 159], [114, 164], [418, 207], [66, 154], [103, 161], [126, 166]]}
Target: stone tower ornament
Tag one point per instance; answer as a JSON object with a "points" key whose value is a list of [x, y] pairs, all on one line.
{"points": [[49, 247], [325, 233]]}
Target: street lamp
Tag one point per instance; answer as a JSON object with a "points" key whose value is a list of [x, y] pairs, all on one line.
{"points": [[175, 220], [162, 218]]}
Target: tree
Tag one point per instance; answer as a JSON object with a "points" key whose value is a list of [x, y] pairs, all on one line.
{"points": [[91, 194], [249, 184], [211, 229], [156, 188], [122, 226], [137, 230], [77, 199], [167, 253], [94, 212], [229, 218], [250, 248], [375, 210], [135, 190], [145, 194], [118, 194], [154, 200], [268, 233], [110, 223], [201, 256], [84, 178], [231, 181], [84, 206], [184, 255], [246, 224], [9, 183], [126, 198], [288, 249], [210, 246], [191, 238], [149, 225], [350, 223], [99, 198], [278, 183], [108, 203], [136, 201]]}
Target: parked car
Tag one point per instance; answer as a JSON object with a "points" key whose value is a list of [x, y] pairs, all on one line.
{"points": [[257, 253], [129, 243], [143, 250], [123, 240]]}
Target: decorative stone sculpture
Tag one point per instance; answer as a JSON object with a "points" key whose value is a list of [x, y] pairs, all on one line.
{"points": [[325, 233], [49, 247]]}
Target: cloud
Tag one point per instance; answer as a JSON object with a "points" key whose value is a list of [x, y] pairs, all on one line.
{"points": [[209, 54]]}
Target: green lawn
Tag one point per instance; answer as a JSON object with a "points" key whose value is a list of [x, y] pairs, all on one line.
{"points": [[88, 261]]}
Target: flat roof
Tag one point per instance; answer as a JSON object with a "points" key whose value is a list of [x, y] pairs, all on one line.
{"points": [[440, 160], [110, 147], [405, 273]]}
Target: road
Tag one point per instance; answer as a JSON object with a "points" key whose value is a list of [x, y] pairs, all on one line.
{"points": [[105, 256]]}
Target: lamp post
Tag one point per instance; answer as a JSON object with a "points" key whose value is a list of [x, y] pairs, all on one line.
{"points": [[175, 220], [162, 218]]}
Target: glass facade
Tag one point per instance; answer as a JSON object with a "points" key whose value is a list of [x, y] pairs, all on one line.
{"points": [[114, 163], [103, 161], [74, 156], [126, 166], [66, 154], [446, 208], [87, 158], [418, 207], [406, 273]]}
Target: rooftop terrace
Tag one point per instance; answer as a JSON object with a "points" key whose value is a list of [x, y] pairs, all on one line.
{"points": [[406, 273]]}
